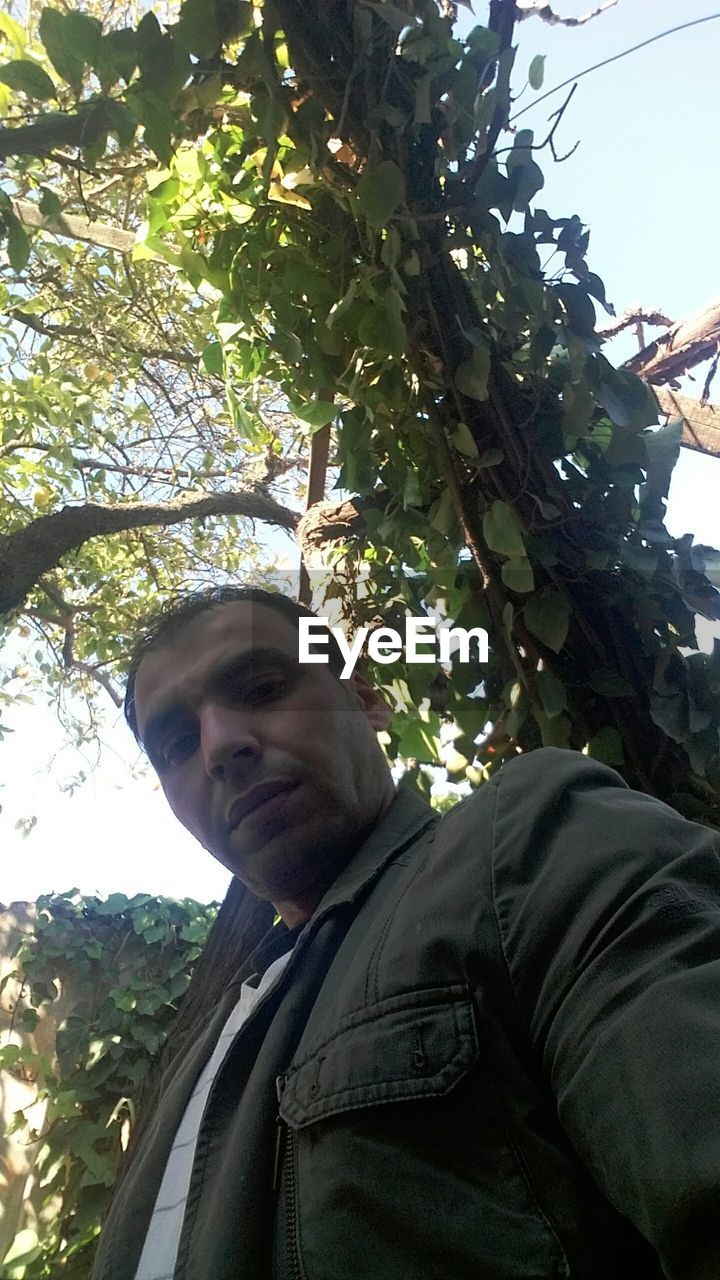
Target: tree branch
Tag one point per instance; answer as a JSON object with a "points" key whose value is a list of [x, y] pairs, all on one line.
{"points": [[55, 129], [184, 358], [99, 234], [502, 21], [70, 662], [538, 9], [636, 315], [31, 552]]}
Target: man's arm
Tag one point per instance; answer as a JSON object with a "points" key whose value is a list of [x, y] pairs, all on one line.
{"points": [[608, 908]]}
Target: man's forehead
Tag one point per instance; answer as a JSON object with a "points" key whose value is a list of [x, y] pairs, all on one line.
{"points": [[205, 642]]}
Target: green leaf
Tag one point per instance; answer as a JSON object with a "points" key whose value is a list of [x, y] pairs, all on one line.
{"points": [[18, 243], [483, 43], [502, 531], [671, 714], [243, 421], [114, 905], [196, 931], [415, 740], [23, 1250], [197, 29], [606, 746], [50, 204], [382, 327], [121, 122], [463, 440], [13, 31], [318, 414], [62, 49], [547, 616], [630, 402], [553, 693], [471, 377], [555, 730], [339, 308], [158, 120], [27, 77], [580, 311], [536, 74], [663, 445], [379, 192], [116, 58], [517, 574], [490, 458], [412, 495], [441, 515], [10, 1054], [84, 34], [212, 359]]}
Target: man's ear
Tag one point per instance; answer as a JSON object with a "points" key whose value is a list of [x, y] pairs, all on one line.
{"points": [[374, 706]]}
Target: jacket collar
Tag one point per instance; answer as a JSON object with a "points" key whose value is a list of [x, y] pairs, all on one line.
{"points": [[404, 819]]}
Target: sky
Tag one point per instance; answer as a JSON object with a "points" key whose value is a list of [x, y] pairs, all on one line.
{"points": [[646, 179]]}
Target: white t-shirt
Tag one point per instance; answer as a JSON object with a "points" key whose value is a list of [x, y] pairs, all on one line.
{"points": [[157, 1261]]}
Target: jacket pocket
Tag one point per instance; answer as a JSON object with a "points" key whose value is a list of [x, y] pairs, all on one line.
{"points": [[410, 1046], [396, 1161]]}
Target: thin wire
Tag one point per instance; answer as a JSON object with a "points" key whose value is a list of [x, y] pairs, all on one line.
{"points": [[615, 58]]}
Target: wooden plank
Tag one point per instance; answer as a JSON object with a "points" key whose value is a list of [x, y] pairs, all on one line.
{"points": [[701, 422]]}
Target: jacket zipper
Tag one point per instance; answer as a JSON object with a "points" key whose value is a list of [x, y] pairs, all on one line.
{"points": [[285, 1157]]}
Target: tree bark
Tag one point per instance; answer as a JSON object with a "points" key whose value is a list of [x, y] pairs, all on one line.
{"points": [[76, 228], [53, 129], [33, 551]]}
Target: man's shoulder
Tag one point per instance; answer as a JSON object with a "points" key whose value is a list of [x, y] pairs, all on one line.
{"points": [[530, 782], [561, 821]]}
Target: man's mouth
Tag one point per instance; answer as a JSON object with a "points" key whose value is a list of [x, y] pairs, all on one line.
{"points": [[262, 794]]}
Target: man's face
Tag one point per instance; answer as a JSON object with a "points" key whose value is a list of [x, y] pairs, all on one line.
{"points": [[272, 765]]}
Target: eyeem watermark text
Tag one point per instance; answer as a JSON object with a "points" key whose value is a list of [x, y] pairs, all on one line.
{"points": [[425, 640]]}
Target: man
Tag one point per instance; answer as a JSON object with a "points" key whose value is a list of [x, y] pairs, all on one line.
{"points": [[482, 1047]]}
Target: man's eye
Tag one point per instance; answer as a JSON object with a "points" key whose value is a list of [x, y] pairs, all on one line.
{"points": [[262, 688], [177, 749]]}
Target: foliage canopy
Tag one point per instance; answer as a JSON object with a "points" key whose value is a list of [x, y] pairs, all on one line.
{"points": [[336, 222]]}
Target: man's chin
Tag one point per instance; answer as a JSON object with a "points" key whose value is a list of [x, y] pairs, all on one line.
{"points": [[285, 865]]}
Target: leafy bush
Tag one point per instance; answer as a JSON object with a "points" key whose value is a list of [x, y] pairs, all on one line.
{"points": [[115, 972]]}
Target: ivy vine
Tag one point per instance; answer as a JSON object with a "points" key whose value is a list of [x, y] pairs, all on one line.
{"points": [[122, 965]]}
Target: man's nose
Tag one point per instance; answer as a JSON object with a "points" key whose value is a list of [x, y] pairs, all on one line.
{"points": [[229, 748]]}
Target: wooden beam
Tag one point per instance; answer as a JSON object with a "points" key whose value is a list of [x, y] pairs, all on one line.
{"points": [[701, 422], [683, 346]]}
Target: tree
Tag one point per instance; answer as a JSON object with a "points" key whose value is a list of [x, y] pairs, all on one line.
{"points": [[112, 405], [343, 196]]}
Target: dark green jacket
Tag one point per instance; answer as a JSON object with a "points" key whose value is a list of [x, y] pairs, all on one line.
{"points": [[494, 1055]]}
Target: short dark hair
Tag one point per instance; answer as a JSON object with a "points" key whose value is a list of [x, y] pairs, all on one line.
{"points": [[163, 624]]}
